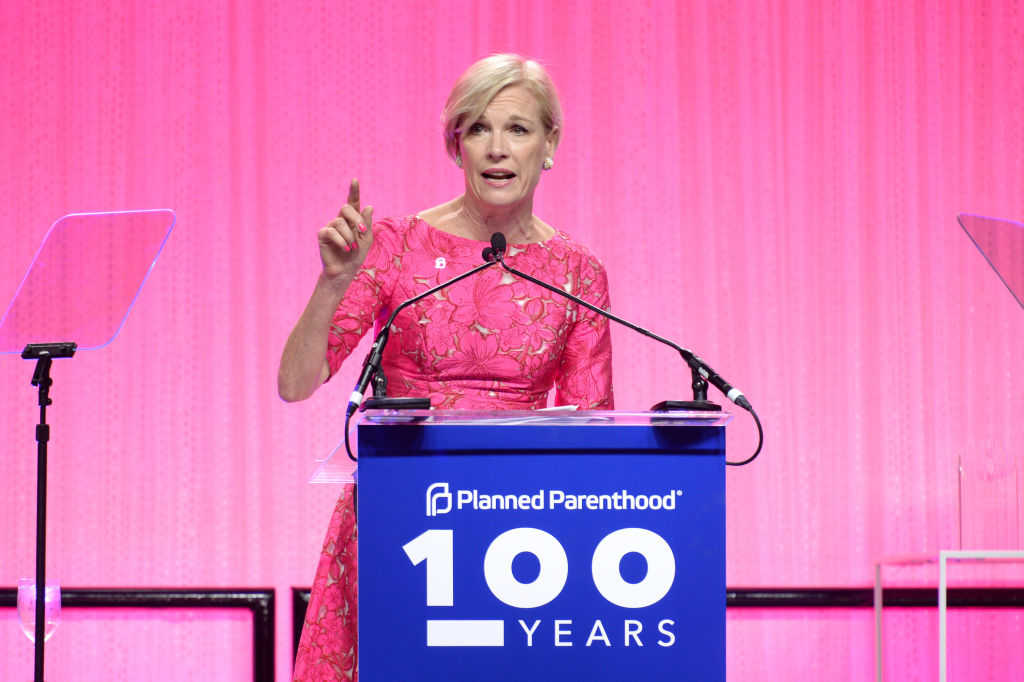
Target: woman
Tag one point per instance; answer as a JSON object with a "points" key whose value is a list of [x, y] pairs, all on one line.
{"points": [[490, 342]]}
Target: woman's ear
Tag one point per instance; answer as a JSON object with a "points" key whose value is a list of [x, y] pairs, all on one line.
{"points": [[551, 143]]}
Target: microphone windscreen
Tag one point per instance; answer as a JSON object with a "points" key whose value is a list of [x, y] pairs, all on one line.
{"points": [[498, 242], [487, 254]]}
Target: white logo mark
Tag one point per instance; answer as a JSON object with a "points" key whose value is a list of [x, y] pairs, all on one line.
{"points": [[438, 494]]}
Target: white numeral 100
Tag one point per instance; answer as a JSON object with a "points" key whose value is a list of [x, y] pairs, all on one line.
{"points": [[437, 548]]}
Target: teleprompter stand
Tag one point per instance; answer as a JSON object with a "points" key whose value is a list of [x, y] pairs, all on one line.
{"points": [[62, 297], [43, 354]]}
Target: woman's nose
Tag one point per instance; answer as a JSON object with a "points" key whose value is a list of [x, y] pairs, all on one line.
{"points": [[498, 147]]}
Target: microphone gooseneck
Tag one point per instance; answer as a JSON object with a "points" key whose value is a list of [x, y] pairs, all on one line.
{"points": [[371, 365], [695, 362], [697, 365]]}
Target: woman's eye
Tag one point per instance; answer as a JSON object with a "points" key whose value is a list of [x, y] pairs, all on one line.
{"points": [[476, 128], [519, 130]]}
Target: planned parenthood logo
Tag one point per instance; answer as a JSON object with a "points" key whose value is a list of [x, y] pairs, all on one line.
{"points": [[439, 499]]}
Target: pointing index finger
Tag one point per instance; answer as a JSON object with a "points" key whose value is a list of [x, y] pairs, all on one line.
{"points": [[353, 194]]}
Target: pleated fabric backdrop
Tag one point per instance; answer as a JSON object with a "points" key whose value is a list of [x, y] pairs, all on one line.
{"points": [[773, 184]]}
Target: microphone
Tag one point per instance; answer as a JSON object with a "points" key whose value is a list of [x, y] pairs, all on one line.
{"points": [[704, 369], [498, 245], [497, 250], [371, 365]]}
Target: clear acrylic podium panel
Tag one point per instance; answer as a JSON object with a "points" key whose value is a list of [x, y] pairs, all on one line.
{"points": [[1001, 242], [84, 278], [337, 468]]}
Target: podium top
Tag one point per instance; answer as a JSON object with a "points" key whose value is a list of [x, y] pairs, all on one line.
{"points": [[336, 467], [543, 418]]}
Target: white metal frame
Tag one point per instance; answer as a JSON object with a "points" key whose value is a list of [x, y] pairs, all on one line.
{"points": [[944, 558]]}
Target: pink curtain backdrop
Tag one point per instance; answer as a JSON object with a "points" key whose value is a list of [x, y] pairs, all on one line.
{"points": [[772, 184]]}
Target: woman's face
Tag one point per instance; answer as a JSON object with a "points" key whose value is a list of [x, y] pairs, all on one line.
{"points": [[502, 152]]}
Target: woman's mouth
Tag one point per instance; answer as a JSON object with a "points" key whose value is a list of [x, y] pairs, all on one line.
{"points": [[498, 177]]}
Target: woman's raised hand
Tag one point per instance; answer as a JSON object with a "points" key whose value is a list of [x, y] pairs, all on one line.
{"points": [[345, 241]]}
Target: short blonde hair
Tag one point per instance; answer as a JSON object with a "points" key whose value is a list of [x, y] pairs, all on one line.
{"points": [[486, 78]]}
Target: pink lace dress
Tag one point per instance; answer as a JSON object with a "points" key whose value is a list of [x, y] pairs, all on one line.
{"points": [[492, 341]]}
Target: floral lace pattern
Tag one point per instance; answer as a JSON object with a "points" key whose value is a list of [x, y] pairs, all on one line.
{"points": [[327, 649], [492, 341]]}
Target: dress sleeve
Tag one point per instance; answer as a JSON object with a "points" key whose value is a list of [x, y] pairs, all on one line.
{"points": [[585, 371], [368, 296]]}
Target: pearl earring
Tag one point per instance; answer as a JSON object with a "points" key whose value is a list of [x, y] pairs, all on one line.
{"points": [[548, 164], [458, 161]]}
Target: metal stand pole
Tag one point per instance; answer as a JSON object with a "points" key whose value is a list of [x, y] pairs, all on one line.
{"points": [[43, 353]]}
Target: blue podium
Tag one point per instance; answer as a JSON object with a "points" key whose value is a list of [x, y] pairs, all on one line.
{"points": [[541, 546]]}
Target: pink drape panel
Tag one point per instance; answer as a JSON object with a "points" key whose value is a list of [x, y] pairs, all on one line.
{"points": [[772, 184]]}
